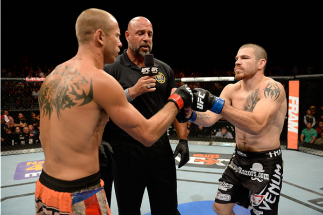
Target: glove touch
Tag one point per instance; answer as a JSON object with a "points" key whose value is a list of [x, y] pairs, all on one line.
{"points": [[182, 97], [182, 119], [204, 100]]}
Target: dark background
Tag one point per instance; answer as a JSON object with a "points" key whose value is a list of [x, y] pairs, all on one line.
{"points": [[197, 35]]}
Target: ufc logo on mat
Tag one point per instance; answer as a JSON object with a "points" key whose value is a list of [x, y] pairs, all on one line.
{"points": [[200, 99]]}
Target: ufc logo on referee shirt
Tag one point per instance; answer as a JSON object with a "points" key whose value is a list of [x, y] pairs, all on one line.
{"points": [[200, 101]]}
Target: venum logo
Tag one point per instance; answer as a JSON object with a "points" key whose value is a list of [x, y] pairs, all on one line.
{"points": [[274, 189], [264, 201], [200, 99], [257, 199]]}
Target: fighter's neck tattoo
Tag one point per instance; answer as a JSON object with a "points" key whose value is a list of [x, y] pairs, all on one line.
{"points": [[251, 100], [61, 93]]}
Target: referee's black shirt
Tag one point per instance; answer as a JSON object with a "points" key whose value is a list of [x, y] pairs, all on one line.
{"points": [[128, 73]]}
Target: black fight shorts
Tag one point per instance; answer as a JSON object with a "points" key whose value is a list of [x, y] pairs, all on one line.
{"points": [[253, 179]]}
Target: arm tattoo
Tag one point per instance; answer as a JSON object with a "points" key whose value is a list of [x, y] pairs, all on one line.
{"points": [[202, 115], [272, 90], [60, 93], [251, 101]]}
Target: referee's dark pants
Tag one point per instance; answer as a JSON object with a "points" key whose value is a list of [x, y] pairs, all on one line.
{"points": [[137, 167]]}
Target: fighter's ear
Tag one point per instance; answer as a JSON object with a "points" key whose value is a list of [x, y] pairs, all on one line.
{"points": [[99, 36], [261, 64], [127, 35]]}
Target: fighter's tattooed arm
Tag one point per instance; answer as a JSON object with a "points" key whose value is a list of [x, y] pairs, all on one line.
{"points": [[206, 119], [272, 90], [203, 116], [62, 91]]}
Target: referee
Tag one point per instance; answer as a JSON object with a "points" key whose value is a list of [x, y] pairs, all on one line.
{"points": [[135, 166]]}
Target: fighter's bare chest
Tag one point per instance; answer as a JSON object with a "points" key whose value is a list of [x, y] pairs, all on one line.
{"points": [[245, 100]]}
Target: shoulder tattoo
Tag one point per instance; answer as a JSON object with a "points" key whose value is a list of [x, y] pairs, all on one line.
{"points": [[272, 90], [63, 93]]}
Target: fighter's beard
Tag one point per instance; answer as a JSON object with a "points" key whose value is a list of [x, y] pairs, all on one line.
{"points": [[137, 50], [241, 75]]}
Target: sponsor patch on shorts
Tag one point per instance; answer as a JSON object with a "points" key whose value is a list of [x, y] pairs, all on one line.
{"points": [[225, 186], [223, 197]]}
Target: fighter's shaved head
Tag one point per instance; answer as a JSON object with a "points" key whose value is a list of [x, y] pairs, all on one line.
{"points": [[90, 20], [259, 51]]}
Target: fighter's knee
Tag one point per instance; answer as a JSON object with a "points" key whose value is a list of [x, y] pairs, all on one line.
{"points": [[217, 208], [220, 209]]}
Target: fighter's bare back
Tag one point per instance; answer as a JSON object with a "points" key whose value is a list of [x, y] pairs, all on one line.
{"points": [[71, 122]]}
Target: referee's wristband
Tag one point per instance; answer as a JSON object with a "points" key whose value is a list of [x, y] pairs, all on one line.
{"points": [[129, 98], [193, 117]]}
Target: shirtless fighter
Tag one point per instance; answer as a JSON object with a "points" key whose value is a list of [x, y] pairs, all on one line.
{"points": [[257, 107], [76, 101]]}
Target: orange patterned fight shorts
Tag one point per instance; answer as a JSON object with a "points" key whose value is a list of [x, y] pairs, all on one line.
{"points": [[84, 196]]}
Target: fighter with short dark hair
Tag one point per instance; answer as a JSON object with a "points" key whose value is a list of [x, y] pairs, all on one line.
{"points": [[257, 106]]}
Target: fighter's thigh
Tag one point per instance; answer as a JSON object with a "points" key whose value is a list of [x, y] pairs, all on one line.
{"points": [[232, 193]]}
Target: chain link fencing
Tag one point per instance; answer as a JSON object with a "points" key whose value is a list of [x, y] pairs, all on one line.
{"points": [[19, 101]]}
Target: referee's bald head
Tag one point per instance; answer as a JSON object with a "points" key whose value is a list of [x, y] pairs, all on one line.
{"points": [[135, 21]]}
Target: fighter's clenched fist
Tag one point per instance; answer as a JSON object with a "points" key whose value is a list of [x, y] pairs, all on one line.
{"points": [[182, 97], [203, 100]]}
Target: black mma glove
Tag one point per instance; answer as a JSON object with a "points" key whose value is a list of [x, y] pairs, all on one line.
{"points": [[105, 151], [182, 119], [182, 148], [204, 100], [182, 97]]}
